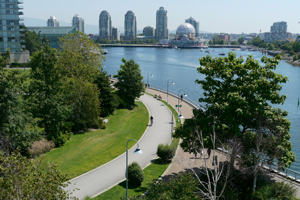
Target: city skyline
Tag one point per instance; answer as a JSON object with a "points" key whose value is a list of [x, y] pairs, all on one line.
{"points": [[220, 16]]}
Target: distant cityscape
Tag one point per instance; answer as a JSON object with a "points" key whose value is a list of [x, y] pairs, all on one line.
{"points": [[187, 34]]}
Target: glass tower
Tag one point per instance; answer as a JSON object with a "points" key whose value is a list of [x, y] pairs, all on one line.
{"points": [[105, 28], [10, 31], [130, 26], [53, 22], [78, 22], [195, 24], [161, 31]]}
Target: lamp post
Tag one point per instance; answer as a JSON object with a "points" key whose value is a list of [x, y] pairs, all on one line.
{"points": [[137, 151], [168, 90], [148, 82], [180, 116]]}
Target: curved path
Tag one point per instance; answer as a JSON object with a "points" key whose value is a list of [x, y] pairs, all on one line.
{"points": [[110, 174]]}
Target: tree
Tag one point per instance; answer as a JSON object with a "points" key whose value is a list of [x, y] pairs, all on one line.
{"points": [[238, 94], [234, 43], [129, 85], [48, 103], [271, 46], [4, 59], [18, 129], [22, 178], [79, 64], [241, 40], [32, 41], [107, 97]]}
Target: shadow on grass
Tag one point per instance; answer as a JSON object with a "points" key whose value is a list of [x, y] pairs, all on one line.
{"points": [[136, 188], [159, 161]]}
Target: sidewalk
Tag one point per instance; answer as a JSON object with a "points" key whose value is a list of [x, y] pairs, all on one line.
{"points": [[184, 161]]}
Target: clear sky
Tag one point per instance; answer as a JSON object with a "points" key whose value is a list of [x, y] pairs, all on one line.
{"points": [[229, 16]]}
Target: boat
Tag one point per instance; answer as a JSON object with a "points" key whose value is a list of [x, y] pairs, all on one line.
{"points": [[207, 51], [222, 54], [201, 49], [241, 56], [105, 51]]}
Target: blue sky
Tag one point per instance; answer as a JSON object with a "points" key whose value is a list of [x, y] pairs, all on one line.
{"points": [[229, 16]]}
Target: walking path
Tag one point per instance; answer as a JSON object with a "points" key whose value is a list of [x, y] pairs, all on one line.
{"points": [[108, 175]]}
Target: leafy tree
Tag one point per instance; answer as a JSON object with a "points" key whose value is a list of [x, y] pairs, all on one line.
{"points": [[130, 84], [296, 47], [80, 62], [80, 57], [22, 178], [18, 129], [32, 41], [271, 46], [83, 96], [4, 59], [241, 40], [107, 97], [45, 94], [238, 97], [234, 43]]}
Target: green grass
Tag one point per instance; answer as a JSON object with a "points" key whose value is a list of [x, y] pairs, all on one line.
{"points": [[88, 150], [153, 171]]}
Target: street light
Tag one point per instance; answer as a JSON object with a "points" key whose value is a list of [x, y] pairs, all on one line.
{"points": [[168, 90], [137, 151], [180, 116], [148, 82]]}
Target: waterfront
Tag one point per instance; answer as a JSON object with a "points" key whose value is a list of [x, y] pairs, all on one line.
{"points": [[181, 66]]}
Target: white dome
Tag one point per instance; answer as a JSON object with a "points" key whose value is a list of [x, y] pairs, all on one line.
{"points": [[185, 29]]}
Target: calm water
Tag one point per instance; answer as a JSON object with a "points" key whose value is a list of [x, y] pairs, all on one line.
{"points": [[181, 66]]}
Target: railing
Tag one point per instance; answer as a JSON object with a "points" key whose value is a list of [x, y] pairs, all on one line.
{"points": [[193, 103], [287, 173]]}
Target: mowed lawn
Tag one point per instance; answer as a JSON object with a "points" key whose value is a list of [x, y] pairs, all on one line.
{"points": [[88, 150]]}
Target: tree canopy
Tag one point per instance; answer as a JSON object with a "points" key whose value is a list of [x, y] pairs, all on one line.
{"points": [[130, 82], [32, 41], [238, 96]]}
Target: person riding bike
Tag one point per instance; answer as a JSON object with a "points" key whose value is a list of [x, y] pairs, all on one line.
{"points": [[151, 120]]}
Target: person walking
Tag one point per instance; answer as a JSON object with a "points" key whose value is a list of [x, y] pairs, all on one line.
{"points": [[151, 120], [208, 152]]}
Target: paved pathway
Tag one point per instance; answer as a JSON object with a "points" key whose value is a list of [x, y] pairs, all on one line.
{"points": [[102, 178]]}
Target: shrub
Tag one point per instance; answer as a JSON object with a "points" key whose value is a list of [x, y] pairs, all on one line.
{"points": [[276, 190], [40, 147], [165, 152], [135, 174]]}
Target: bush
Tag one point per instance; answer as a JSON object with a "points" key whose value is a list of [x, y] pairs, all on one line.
{"points": [[165, 152], [135, 174], [280, 191], [40, 147]]}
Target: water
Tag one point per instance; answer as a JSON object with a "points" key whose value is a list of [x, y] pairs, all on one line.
{"points": [[181, 67]]}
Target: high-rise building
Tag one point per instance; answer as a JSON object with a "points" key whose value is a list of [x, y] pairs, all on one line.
{"points": [[105, 29], [116, 33], [148, 31], [130, 26], [78, 22], [161, 31], [10, 35], [195, 24], [53, 22], [278, 32]]}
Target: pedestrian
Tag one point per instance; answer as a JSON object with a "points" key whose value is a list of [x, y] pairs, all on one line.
{"points": [[151, 120], [208, 152], [181, 97], [148, 84]]}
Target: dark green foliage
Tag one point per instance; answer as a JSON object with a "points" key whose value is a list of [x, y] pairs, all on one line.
{"points": [[32, 41], [241, 40], [276, 191], [107, 97], [165, 152], [296, 47], [234, 43], [135, 174], [4, 59], [17, 127], [182, 186], [48, 103], [130, 84], [22, 178]]}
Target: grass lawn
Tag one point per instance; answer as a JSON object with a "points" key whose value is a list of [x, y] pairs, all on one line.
{"points": [[153, 171], [88, 150]]}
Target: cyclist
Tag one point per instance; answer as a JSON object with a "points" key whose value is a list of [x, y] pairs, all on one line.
{"points": [[151, 120]]}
